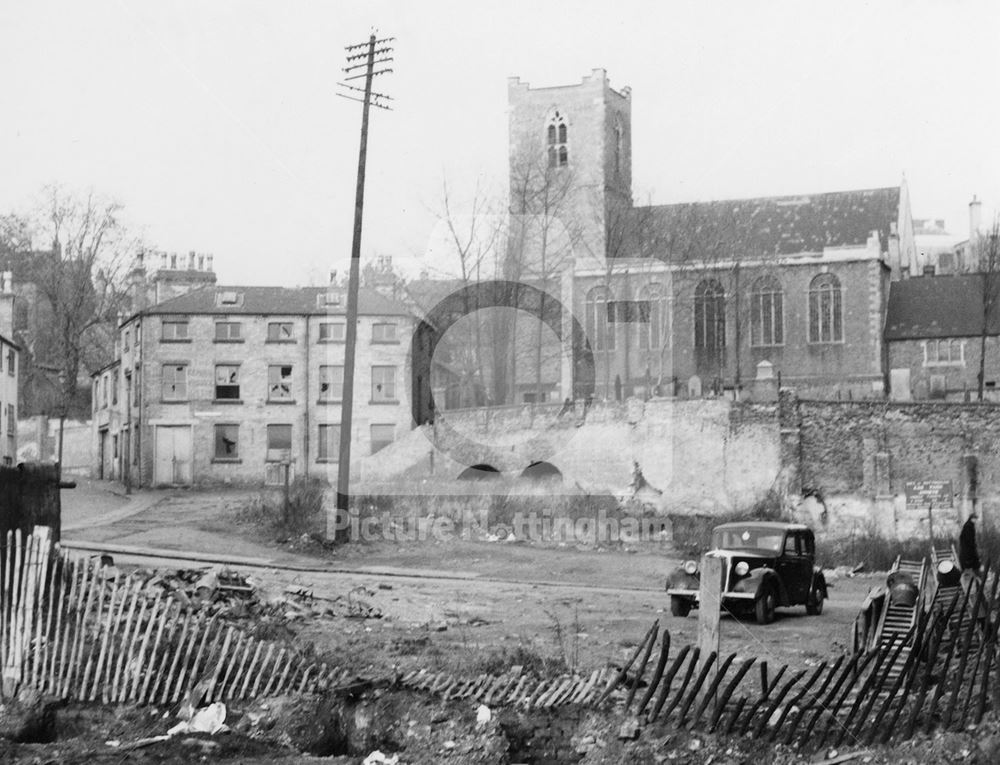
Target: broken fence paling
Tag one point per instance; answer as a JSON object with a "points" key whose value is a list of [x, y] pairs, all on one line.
{"points": [[942, 673], [70, 631]]}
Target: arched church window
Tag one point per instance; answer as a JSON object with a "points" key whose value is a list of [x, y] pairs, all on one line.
{"points": [[557, 140], [709, 315], [826, 321], [653, 327], [767, 312], [599, 330]]}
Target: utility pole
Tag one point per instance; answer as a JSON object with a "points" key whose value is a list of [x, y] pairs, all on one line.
{"points": [[372, 52]]}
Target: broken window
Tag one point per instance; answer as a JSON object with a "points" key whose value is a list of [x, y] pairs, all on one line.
{"points": [[174, 382], [279, 331], [384, 384], [227, 382], [279, 443], [227, 441], [279, 382], [331, 382]]}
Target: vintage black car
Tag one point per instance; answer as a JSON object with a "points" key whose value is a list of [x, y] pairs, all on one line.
{"points": [[764, 565]]}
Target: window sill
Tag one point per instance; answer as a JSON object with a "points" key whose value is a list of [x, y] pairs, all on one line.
{"points": [[825, 342], [281, 401], [280, 342], [384, 403], [227, 461], [175, 339], [227, 401], [943, 364], [224, 340], [326, 461], [385, 342], [331, 342], [329, 401], [767, 346], [175, 401]]}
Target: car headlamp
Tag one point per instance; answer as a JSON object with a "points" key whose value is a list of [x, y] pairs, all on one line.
{"points": [[691, 567], [742, 568]]}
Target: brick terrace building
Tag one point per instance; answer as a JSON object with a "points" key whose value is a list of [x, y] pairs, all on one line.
{"points": [[934, 329], [227, 385], [9, 360]]}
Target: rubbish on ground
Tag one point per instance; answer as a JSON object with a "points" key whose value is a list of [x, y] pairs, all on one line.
{"points": [[377, 758], [210, 719]]}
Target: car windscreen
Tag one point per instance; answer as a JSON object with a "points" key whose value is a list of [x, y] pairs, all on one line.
{"points": [[747, 538]]}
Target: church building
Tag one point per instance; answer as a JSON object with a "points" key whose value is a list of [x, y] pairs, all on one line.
{"points": [[725, 296]]}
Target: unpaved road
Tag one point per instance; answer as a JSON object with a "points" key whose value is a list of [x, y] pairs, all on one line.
{"points": [[454, 605]]}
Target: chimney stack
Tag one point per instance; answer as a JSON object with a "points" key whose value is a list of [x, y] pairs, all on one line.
{"points": [[333, 276], [975, 217]]}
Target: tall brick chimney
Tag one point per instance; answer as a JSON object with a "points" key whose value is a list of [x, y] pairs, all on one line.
{"points": [[975, 217], [7, 304]]}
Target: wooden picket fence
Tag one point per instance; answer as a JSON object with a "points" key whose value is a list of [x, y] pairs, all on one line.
{"points": [[69, 629], [941, 674]]}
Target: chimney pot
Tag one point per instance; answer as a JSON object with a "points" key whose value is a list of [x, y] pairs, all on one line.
{"points": [[333, 276]]}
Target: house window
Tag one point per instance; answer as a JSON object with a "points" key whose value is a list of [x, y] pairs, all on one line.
{"points": [[384, 384], [766, 312], [227, 382], [228, 331], [11, 363], [332, 332], [104, 392], [619, 145], [227, 442], [601, 338], [114, 389], [174, 330], [826, 322], [944, 352], [382, 436], [279, 443], [11, 419], [229, 298], [384, 333], [136, 446], [279, 382], [279, 332], [653, 331], [125, 341], [174, 382], [709, 315], [331, 382], [329, 443], [557, 141]]}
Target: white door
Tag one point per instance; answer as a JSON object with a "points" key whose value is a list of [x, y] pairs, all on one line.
{"points": [[173, 455]]}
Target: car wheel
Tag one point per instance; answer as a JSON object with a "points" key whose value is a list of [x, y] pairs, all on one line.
{"points": [[764, 606], [814, 602], [679, 606]]}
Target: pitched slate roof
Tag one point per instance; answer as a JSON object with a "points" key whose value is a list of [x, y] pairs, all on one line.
{"points": [[785, 225], [937, 306], [277, 301]]}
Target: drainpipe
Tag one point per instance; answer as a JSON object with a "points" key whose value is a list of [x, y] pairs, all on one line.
{"points": [[305, 415]]}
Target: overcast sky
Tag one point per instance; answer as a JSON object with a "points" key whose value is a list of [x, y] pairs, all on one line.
{"points": [[216, 123]]}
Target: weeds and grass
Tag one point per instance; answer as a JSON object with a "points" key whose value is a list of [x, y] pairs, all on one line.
{"points": [[300, 513]]}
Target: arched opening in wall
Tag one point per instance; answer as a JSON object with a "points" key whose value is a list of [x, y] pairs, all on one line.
{"points": [[542, 471], [479, 473]]}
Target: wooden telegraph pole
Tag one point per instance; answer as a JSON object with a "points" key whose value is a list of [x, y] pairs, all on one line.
{"points": [[362, 56]]}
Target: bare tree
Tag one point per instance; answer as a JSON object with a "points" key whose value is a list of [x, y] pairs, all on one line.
{"points": [[987, 257], [78, 274]]}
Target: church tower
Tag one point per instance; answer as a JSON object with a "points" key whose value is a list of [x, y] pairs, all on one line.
{"points": [[571, 158]]}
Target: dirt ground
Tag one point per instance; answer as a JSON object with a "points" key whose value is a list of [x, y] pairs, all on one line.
{"points": [[459, 606], [449, 605]]}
